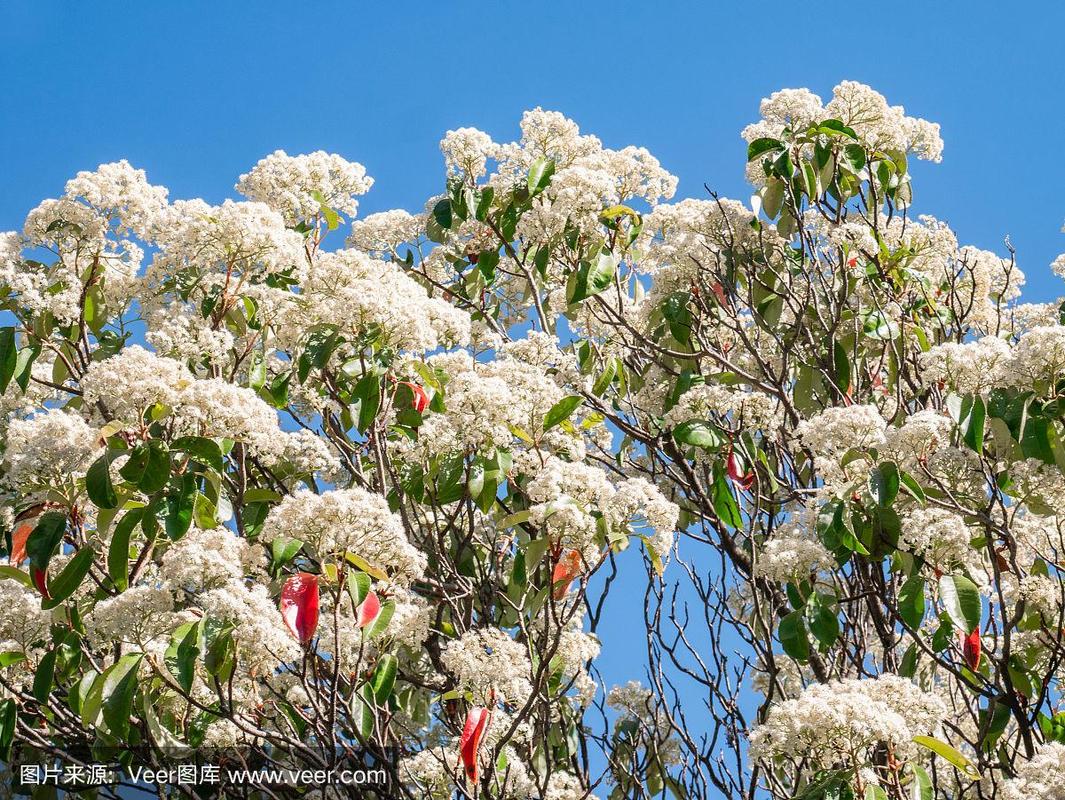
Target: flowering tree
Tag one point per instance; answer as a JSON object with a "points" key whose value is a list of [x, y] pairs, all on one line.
{"points": [[289, 503]]}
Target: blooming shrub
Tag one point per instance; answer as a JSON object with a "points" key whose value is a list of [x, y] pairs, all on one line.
{"points": [[292, 501]]}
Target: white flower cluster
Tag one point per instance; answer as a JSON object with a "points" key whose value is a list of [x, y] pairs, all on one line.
{"points": [[487, 400], [384, 232], [228, 243], [133, 380], [142, 616], [836, 430], [866, 111], [363, 294], [734, 408], [466, 152], [570, 500], [487, 660], [794, 552], [939, 536], [288, 184], [206, 559], [121, 195], [829, 722], [1040, 777], [1036, 362], [258, 628], [85, 230], [23, 622], [920, 435], [347, 520], [52, 448]]}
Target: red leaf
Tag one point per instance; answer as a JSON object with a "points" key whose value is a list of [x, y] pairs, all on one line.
{"points": [[368, 610], [567, 568], [18, 542], [719, 293], [421, 398], [736, 470], [970, 647], [299, 605], [470, 743], [40, 580]]}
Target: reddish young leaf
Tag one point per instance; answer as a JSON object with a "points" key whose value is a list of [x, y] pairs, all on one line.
{"points": [[40, 580], [567, 568], [719, 293], [299, 605], [737, 470], [970, 647], [18, 542], [368, 610], [470, 743], [421, 398]]}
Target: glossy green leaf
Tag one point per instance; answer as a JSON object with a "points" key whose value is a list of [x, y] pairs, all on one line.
{"points": [[98, 483], [961, 599], [384, 678], [562, 410]]}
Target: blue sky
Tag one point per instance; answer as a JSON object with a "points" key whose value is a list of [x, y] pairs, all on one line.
{"points": [[196, 92]]}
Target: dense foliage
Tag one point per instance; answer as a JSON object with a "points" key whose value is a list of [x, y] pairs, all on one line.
{"points": [[279, 501]]}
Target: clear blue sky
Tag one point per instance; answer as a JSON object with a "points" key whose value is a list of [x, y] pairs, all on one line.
{"points": [[196, 92]]}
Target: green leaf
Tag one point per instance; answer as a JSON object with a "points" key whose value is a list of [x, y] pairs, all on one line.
{"points": [[912, 487], [442, 214], [204, 512], [45, 539], [98, 482], [362, 703], [43, 678], [540, 174], [332, 219], [835, 127], [384, 678], [283, 550], [961, 599], [949, 753], [974, 414], [698, 433], [911, 601], [8, 357], [69, 579], [384, 616], [593, 276], [148, 467], [204, 450], [724, 503], [562, 410], [368, 393], [167, 742], [884, 484], [921, 788], [1035, 440], [112, 694], [792, 633], [358, 586], [842, 367], [181, 654], [118, 552], [12, 573], [824, 624], [180, 504], [7, 728], [761, 146]]}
